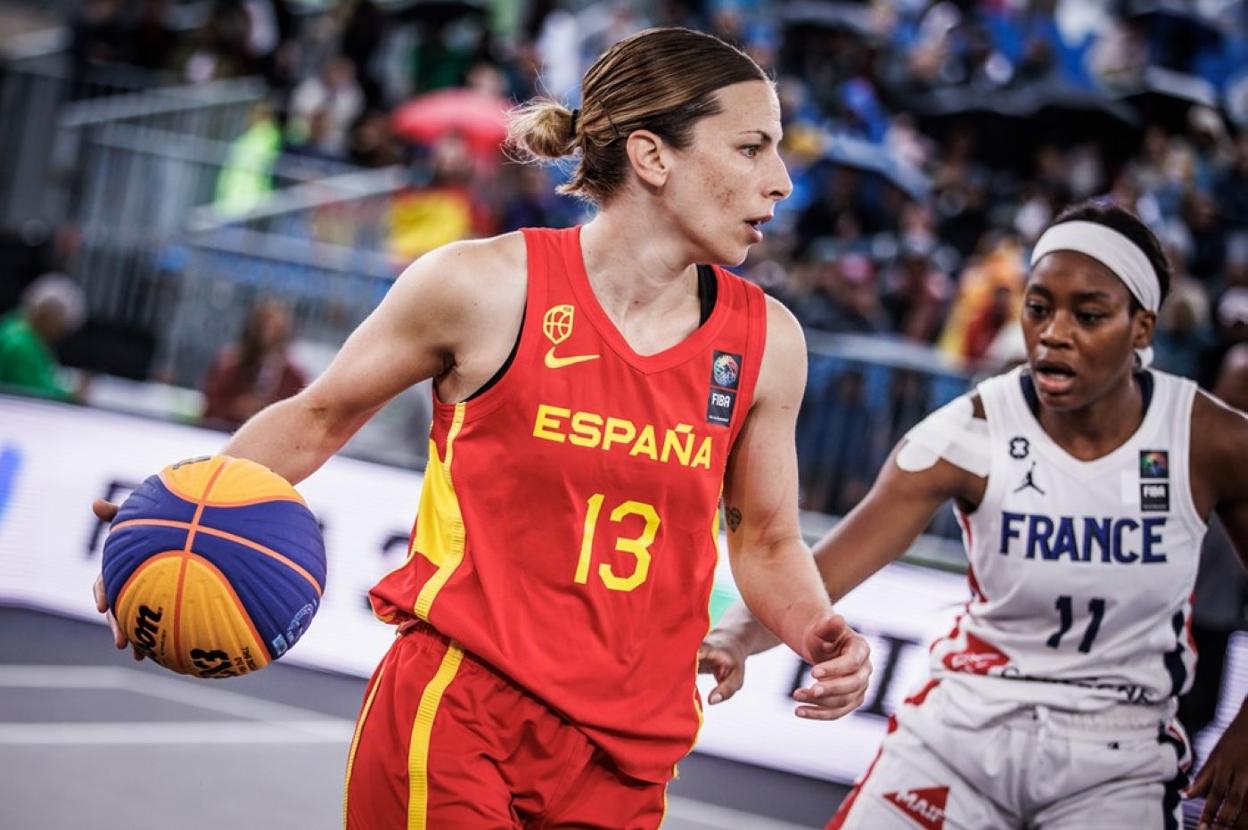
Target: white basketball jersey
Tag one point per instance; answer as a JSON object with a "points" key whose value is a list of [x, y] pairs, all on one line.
{"points": [[1081, 572]]}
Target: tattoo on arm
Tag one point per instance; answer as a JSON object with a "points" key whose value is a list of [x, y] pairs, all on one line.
{"points": [[733, 516]]}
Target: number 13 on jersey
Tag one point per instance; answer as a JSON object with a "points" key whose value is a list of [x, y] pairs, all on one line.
{"points": [[638, 546]]}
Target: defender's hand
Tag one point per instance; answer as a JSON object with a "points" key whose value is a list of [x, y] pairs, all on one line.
{"points": [[1223, 780]]}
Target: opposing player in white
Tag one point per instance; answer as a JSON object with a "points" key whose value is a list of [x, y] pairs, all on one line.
{"points": [[1083, 482]]}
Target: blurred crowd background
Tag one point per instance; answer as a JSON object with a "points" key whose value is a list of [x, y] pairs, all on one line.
{"points": [[231, 184]]}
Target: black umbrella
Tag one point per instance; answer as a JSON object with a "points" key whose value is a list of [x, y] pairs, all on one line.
{"points": [[993, 118], [1165, 97], [854, 18], [438, 12], [1064, 116], [1008, 124], [849, 151], [1179, 29]]}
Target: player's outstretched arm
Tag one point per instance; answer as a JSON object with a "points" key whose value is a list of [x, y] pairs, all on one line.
{"points": [[437, 305], [1219, 455], [414, 334], [770, 562], [878, 530]]}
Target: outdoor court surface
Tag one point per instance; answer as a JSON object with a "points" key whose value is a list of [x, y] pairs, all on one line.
{"points": [[91, 739]]}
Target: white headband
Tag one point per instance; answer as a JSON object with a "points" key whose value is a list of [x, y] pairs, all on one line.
{"points": [[1108, 247], [1113, 250]]}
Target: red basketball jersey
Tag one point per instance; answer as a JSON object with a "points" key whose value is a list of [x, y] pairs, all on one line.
{"points": [[567, 527]]}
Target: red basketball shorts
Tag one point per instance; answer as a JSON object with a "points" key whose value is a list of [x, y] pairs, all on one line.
{"points": [[443, 741]]}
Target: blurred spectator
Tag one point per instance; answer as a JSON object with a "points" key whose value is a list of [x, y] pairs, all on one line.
{"points": [[221, 48], [1120, 56], [362, 40], [844, 296], [254, 372], [98, 35], [990, 295], [837, 211], [247, 175], [52, 307], [1183, 335], [323, 108], [153, 40], [445, 210], [959, 184], [534, 203], [1231, 187], [916, 290], [1208, 237], [858, 309], [372, 142], [1231, 315]]}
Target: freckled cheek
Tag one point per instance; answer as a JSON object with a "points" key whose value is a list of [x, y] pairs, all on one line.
{"points": [[722, 194], [721, 188]]}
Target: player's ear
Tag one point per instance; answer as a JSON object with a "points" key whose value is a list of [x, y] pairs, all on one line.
{"points": [[1144, 322], [650, 157]]}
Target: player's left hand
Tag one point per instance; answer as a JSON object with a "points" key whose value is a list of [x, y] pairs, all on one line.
{"points": [[1223, 780], [106, 511], [841, 662]]}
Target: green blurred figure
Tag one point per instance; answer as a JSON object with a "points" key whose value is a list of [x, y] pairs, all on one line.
{"points": [[52, 307], [247, 175]]}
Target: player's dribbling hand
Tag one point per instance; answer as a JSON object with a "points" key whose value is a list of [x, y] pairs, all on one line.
{"points": [[105, 511], [1223, 780], [841, 662], [722, 655]]}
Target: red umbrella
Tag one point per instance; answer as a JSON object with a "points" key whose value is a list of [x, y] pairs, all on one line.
{"points": [[479, 117]]}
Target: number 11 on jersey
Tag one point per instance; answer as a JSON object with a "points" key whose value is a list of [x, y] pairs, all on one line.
{"points": [[639, 547], [1065, 610]]}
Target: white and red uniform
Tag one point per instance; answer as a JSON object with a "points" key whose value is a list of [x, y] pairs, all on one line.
{"points": [[1051, 699]]}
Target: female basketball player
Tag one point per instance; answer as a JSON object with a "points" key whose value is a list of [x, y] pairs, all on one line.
{"points": [[1083, 483], [595, 388]]}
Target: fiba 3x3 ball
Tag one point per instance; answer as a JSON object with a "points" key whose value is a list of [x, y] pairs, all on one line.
{"points": [[214, 567]]}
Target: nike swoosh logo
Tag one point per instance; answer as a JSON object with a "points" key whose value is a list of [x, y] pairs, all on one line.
{"points": [[555, 362]]}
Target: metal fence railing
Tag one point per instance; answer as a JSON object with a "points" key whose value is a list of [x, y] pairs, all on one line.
{"points": [[37, 89], [309, 246], [862, 395], [139, 188], [116, 160], [225, 265]]}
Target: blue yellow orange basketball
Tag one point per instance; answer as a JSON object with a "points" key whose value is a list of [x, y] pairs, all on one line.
{"points": [[214, 567]]}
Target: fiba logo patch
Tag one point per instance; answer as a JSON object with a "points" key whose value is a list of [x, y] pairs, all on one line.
{"points": [[726, 370], [1154, 494], [722, 397], [1154, 464]]}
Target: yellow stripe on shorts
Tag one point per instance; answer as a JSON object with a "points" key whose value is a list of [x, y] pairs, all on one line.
{"points": [[422, 730]]}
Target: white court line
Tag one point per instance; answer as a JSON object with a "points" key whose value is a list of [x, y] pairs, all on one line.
{"points": [[711, 815], [266, 723], [173, 732], [202, 694]]}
